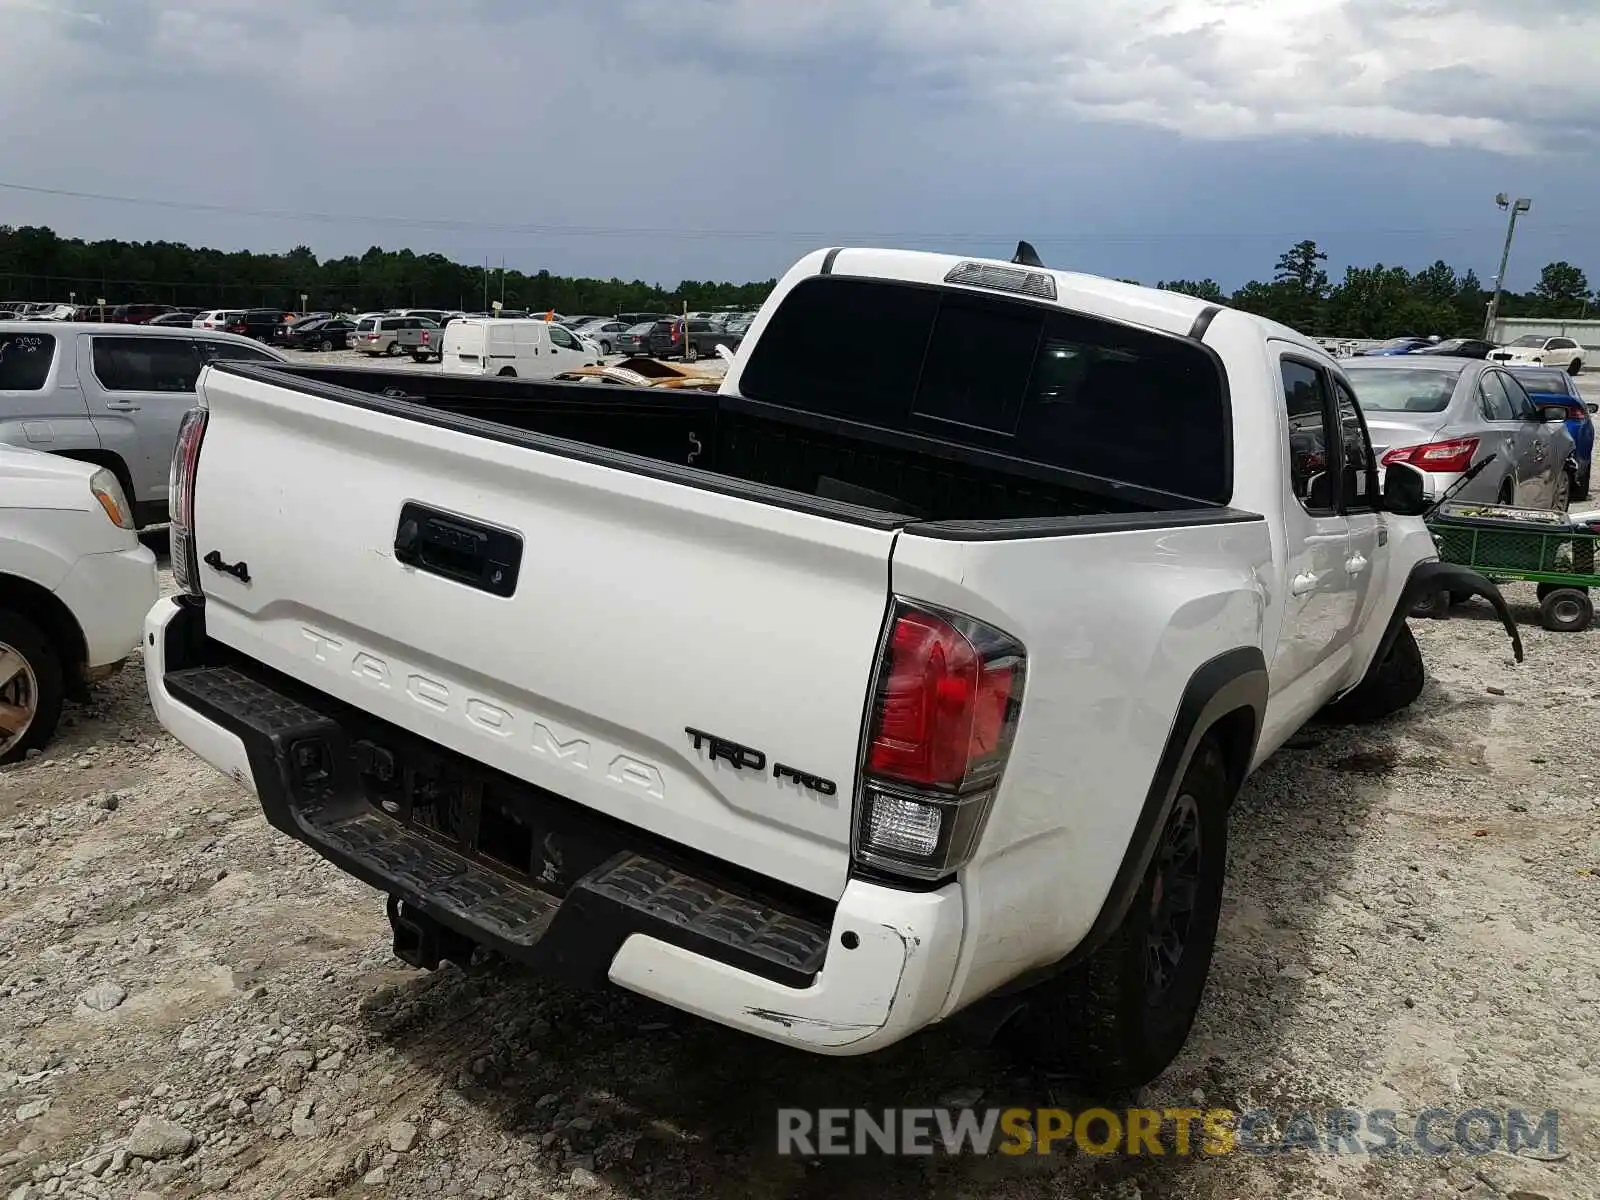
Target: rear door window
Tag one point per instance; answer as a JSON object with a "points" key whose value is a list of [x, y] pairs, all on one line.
{"points": [[1497, 401], [230, 352], [1056, 388], [25, 360], [145, 364]]}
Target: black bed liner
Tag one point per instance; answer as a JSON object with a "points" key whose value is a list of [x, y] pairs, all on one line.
{"points": [[838, 468]]}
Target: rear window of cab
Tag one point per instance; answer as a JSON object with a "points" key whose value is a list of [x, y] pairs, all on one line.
{"points": [[1038, 383]]}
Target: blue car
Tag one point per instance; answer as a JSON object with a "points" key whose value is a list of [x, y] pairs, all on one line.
{"points": [[1399, 345], [1551, 385]]}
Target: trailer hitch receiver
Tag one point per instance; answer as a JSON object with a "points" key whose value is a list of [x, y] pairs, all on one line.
{"points": [[420, 941]]}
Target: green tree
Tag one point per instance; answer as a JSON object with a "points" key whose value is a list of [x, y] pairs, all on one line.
{"points": [[1302, 286], [1204, 289], [1562, 290]]}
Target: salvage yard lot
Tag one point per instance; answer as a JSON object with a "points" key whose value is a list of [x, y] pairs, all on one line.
{"points": [[1411, 923]]}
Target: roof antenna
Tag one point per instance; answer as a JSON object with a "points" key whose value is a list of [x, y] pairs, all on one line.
{"points": [[1026, 255]]}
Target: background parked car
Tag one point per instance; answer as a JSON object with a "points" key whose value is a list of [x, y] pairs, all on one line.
{"points": [[1532, 349], [654, 339], [604, 331], [375, 335], [323, 333], [182, 318], [1459, 348], [1442, 415], [292, 321], [1552, 385], [138, 314], [703, 336], [1399, 345], [217, 318], [257, 323], [423, 340]]}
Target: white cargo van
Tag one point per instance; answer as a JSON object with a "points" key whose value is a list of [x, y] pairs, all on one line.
{"points": [[525, 349]]}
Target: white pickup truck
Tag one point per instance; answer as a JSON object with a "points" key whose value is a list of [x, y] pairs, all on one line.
{"points": [[902, 674]]}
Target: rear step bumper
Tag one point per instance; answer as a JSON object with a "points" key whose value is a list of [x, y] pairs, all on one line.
{"points": [[640, 915]]}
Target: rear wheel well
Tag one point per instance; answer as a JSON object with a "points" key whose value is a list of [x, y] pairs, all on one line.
{"points": [[1235, 735], [53, 619]]}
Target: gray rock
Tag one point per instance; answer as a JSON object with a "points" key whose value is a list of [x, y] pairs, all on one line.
{"points": [[32, 1109], [297, 1060], [216, 1179], [584, 1179], [375, 1177], [303, 1127], [156, 1138], [95, 1165], [402, 1136], [103, 996]]}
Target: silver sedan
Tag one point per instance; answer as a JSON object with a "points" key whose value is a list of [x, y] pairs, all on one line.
{"points": [[1442, 415]]}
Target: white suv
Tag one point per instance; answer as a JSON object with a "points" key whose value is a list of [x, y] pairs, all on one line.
{"points": [[112, 395]]}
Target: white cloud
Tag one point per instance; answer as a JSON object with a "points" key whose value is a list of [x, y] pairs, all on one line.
{"points": [[1388, 69]]}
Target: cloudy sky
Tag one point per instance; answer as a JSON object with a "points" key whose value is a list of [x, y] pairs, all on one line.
{"points": [[667, 139]]}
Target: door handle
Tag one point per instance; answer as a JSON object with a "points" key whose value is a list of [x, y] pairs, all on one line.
{"points": [[123, 407], [1356, 565], [1304, 584]]}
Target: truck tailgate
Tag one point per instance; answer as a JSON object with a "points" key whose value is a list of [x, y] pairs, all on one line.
{"points": [[643, 610]]}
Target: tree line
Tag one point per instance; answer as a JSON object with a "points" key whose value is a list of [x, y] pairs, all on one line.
{"points": [[38, 264], [1381, 301]]}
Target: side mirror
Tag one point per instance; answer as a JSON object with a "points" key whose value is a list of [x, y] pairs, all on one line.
{"points": [[1594, 408], [1405, 491], [1553, 412]]}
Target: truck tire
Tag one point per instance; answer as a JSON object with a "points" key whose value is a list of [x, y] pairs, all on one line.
{"points": [[1118, 1019], [31, 691], [507, 373], [1390, 685], [1566, 610], [691, 353], [392, 350]]}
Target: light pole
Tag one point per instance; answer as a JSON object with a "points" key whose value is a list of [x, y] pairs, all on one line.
{"points": [[1521, 206]]}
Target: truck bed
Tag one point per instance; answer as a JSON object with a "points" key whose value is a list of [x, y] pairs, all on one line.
{"points": [[769, 453]]}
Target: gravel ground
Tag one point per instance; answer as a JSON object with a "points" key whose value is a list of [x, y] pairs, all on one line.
{"points": [[192, 1004]]}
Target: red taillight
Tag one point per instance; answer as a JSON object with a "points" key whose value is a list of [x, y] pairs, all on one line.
{"points": [[939, 707], [180, 501], [946, 697], [424, 337], [1444, 457]]}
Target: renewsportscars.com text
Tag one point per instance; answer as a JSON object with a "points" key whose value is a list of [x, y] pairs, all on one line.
{"points": [[1160, 1131]]}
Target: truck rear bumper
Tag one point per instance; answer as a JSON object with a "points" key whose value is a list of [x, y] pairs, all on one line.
{"points": [[539, 879]]}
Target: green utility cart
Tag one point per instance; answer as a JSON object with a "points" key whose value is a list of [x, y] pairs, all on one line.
{"points": [[1555, 550]]}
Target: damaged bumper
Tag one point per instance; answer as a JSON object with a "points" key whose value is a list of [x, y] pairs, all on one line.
{"points": [[471, 857]]}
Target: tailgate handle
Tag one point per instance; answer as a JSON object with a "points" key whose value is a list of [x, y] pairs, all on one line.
{"points": [[459, 549]]}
